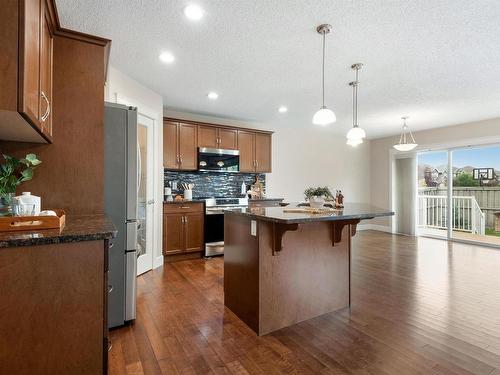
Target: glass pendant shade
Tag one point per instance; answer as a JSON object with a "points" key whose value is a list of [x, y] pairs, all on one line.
{"points": [[356, 133], [354, 141], [324, 117], [405, 146], [406, 140]]}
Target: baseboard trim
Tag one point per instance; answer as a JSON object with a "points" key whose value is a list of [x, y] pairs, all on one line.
{"points": [[158, 261], [380, 228]]}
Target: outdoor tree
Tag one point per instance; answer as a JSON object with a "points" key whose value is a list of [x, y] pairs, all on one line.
{"points": [[465, 180]]}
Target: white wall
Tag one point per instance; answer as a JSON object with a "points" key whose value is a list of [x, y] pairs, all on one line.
{"points": [[473, 133], [307, 157], [121, 88]]}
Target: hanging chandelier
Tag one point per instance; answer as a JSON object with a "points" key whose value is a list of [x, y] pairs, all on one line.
{"points": [[356, 134], [406, 140], [324, 116]]}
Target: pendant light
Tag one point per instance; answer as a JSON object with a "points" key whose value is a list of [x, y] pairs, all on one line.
{"points": [[406, 140], [324, 116], [356, 134]]}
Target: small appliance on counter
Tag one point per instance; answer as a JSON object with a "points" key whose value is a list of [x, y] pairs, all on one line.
{"points": [[214, 222]]}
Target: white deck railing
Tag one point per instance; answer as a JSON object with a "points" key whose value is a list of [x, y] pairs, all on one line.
{"points": [[467, 215]]}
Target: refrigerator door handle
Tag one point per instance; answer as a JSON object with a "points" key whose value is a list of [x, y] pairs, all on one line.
{"points": [[131, 241]]}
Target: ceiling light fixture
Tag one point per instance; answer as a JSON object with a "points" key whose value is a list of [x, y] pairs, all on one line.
{"points": [[406, 140], [282, 109], [212, 95], [167, 57], [324, 116], [356, 134], [193, 12]]}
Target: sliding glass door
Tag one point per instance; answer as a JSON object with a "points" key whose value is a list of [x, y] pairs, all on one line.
{"points": [[432, 194], [469, 178]]}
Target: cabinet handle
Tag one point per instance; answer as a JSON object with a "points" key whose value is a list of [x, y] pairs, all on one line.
{"points": [[180, 159], [47, 111], [185, 219], [110, 288], [110, 345], [185, 207]]}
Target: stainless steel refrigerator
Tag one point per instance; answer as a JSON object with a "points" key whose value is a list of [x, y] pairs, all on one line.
{"points": [[120, 202]]}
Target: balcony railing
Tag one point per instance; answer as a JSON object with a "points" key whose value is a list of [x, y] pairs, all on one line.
{"points": [[467, 215]]}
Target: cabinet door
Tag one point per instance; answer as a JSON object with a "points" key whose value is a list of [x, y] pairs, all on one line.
{"points": [[193, 228], [262, 153], [228, 139], [29, 60], [46, 43], [170, 145], [173, 234], [246, 147], [207, 136], [188, 152]]}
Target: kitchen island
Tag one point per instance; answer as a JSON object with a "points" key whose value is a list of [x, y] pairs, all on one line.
{"points": [[283, 266]]}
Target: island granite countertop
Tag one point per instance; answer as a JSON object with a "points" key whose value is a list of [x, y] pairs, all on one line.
{"points": [[351, 211], [77, 229]]}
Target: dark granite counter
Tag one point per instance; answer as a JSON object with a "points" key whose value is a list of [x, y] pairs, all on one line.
{"points": [[184, 202], [77, 229], [278, 215]]}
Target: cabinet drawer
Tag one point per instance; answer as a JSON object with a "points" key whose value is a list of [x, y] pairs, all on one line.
{"points": [[181, 208]]}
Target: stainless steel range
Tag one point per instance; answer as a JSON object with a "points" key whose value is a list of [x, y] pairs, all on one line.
{"points": [[214, 222]]}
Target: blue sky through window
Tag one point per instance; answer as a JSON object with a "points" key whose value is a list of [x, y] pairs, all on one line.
{"points": [[488, 157]]}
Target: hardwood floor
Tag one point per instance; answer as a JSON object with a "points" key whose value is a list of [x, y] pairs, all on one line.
{"points": [[419, 306]]}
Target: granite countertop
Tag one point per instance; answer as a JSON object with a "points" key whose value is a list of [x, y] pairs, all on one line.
{"points": [[184, 202], [265, 199], [77, 229], [277, 214]]}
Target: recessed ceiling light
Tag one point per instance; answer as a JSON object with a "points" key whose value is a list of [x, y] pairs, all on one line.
{"points": [[212, 95], [167, 57], [193, 12], [282, 109]]}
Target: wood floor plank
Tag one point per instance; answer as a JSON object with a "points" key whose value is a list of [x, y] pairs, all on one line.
{"points": [[419, 306]]}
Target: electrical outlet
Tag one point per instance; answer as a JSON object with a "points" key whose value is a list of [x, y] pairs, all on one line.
{"points": [[253, 228]]}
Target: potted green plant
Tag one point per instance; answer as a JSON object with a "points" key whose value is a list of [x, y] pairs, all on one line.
{"points": [[13, 172], [316, 196]]}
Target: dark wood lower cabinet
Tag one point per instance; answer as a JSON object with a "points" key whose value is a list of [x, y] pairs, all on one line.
{"points": [[53, 309], [183, 228]]}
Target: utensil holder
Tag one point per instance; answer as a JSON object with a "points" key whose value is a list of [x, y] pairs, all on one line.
{"points": [[188, 195]]}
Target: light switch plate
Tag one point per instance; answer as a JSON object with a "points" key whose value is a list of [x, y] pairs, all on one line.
{"points": [[253, 228]]}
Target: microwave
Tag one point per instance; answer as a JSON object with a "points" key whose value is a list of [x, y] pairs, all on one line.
{"points": [[218, 160]]}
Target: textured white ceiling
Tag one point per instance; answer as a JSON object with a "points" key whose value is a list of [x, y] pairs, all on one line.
{"points": [[437, 61]]}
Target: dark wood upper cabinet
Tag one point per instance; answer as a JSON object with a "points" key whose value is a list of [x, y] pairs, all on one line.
{"points": [[255, 151], [228, 139], [180, 146], [170, 145], [207, 136], [188, 152], [246, 141], [263, 153], [215, 137], [26, 65]]}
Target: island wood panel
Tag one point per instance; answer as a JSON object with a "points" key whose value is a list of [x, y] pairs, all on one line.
{"points": [[170, 145], [309, 277], [71, 175], [246, 142], [241, 257], [53, 298]]}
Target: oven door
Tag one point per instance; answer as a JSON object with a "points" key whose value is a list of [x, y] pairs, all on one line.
{"points": [[218, 160], [214, 233]]}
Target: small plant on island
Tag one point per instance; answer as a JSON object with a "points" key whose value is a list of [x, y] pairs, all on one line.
{"points": [[323, 192]]}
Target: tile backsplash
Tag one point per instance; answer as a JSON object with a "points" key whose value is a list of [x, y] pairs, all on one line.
{"points": [[212, 184]]}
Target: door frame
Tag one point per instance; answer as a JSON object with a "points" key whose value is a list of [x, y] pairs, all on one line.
{"points": [[145, 261]]}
